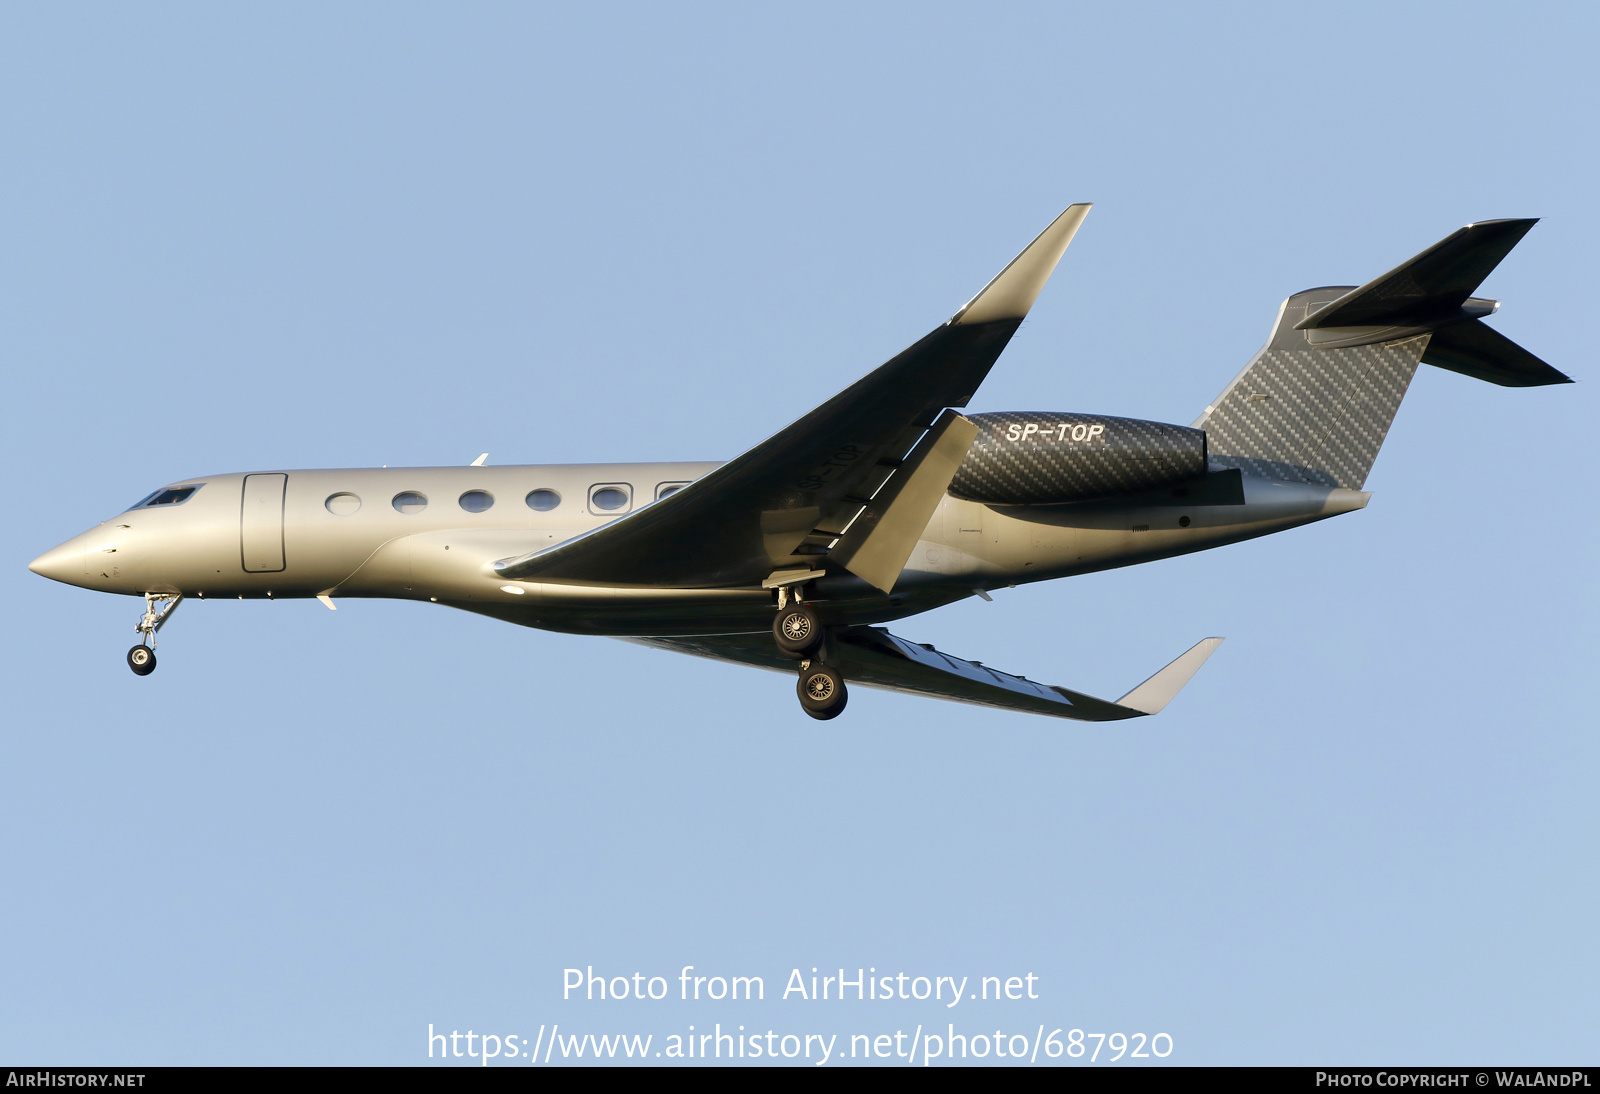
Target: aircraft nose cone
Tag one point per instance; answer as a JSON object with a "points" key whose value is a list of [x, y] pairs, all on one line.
{"points": [[62, 563]]}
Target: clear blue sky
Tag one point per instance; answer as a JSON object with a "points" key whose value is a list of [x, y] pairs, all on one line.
{"points": [[315, 235]]}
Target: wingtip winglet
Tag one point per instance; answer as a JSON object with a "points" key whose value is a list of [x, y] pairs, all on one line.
{"points": [[1155, 693], [1015, 288]]}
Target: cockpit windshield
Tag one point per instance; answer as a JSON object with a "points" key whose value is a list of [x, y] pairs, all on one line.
{"points": [[168, 495]]}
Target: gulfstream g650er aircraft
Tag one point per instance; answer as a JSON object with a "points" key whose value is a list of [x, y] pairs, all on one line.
{"points": [[881, 503]]}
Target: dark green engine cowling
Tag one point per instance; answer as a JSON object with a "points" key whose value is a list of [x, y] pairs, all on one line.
{"points": [[1048, 458]]}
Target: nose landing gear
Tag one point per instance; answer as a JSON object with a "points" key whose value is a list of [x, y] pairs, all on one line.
{"points": [[142, 658]]}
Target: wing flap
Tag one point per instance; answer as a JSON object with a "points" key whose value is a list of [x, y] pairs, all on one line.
{"points": [[882, 538], [874, 657]]}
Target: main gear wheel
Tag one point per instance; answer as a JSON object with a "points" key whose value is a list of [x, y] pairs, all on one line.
{"points": [[822, 692], [797, 631]]}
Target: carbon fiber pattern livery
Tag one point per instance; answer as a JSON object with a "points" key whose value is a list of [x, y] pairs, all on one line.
{"points": [[1044, 458], [1299, 414]]}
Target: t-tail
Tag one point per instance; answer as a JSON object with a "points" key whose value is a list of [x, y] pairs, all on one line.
{"points": [[1315, 404]]}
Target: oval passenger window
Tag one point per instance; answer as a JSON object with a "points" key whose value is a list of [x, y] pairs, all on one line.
{"points": [[342, 505], [609, 498], [477, 501], [409, 502], [543, 500]]}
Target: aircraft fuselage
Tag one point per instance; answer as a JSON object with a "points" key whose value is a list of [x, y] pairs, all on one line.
{"points": [[412, 533]]}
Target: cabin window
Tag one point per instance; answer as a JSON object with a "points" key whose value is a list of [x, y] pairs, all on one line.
{"points": [[610, 497], [543, 500], [342, 504], [168, 495], [668, 488], [477, 501], [409, 502]]}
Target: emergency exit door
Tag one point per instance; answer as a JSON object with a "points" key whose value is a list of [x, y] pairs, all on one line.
{"points": [[261, 523]]}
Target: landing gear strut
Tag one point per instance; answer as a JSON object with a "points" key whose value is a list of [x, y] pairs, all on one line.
{"points": [[142, 658]]}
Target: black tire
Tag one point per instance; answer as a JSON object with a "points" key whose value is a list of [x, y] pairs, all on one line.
{"points": [[142, 660], [797, 631], [822, 693]]}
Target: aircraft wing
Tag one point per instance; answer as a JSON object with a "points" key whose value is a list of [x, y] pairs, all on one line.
{"points": [[873, 657], [755, 515]]}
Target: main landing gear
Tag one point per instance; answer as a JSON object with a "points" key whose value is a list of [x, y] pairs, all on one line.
{"points": [[142, 658], [799, 633]]}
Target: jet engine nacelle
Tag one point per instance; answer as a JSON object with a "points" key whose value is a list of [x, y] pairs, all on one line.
{"points": [[1048, 458]]}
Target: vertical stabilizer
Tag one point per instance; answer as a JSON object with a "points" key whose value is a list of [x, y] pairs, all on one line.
{"points": [[1299, 413]]}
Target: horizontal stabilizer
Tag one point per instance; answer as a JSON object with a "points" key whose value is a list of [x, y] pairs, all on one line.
{"points": [[1429, 287], [1478, 350]]}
